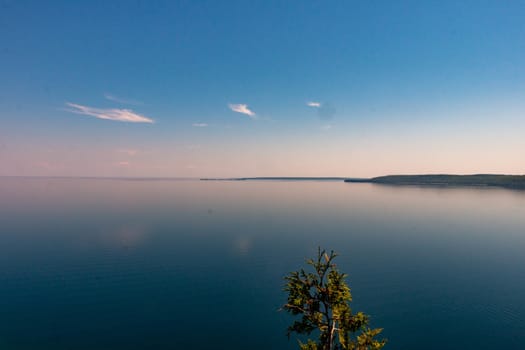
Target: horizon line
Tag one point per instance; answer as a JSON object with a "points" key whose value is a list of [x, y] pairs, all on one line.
{"points": [[227, 177]]}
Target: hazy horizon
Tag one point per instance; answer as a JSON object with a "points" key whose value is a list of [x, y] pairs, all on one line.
{"points": [[225, 178]]}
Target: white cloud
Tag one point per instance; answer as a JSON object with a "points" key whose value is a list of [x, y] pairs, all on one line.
{"points": [[313, 104], [199, 125], [121, 115], [242, 108], [124, 163], [122, 100], [326, 127]]}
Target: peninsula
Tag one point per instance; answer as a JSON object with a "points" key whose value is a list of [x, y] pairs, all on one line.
{"points": [[506, 181]]}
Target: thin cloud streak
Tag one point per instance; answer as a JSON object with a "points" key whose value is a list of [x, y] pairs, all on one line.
{"points": [[242, 108], [122, 100], [313, 104], [120, 115], [199, 125]]}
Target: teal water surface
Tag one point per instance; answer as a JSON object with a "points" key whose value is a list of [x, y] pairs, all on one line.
{"points": [[129, 264]]}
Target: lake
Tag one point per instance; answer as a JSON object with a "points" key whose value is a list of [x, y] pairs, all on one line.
{"points": [[174, 264]]}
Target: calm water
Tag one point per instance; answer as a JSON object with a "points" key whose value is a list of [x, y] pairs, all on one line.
{"points": [[115, 264]]}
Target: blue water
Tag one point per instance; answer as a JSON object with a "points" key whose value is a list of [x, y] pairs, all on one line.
{"points": [[119, 264]]}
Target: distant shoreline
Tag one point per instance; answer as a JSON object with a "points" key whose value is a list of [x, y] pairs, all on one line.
{"points": [[276, 178], [435, 180], [439, 180], [478, 180]]}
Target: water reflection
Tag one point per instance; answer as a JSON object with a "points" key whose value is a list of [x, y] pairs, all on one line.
{"points": [[242, 245], [133, 264], [128, 236]]}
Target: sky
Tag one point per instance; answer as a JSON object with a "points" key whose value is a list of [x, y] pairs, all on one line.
{"points": [[261, 88]]}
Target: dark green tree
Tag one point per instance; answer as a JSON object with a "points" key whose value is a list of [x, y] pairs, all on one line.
{"points": [[322, 301]]}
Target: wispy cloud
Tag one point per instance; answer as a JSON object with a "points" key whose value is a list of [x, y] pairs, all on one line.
{"points": [[199, 125], [326, 127], [121, 115], [324, 110], [123, 163], [242, 108], [122, 100]]}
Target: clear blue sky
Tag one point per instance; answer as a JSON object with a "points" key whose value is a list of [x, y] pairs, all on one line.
{"points": [[221, 88]]}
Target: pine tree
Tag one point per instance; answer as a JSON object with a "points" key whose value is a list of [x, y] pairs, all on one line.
{"points": [[322, 301]]}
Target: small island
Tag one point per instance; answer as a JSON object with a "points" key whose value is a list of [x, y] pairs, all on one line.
{"points": [[506, 181]]}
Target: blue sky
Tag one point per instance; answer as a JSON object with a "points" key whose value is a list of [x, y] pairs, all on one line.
{"points": [[397, 87]]}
